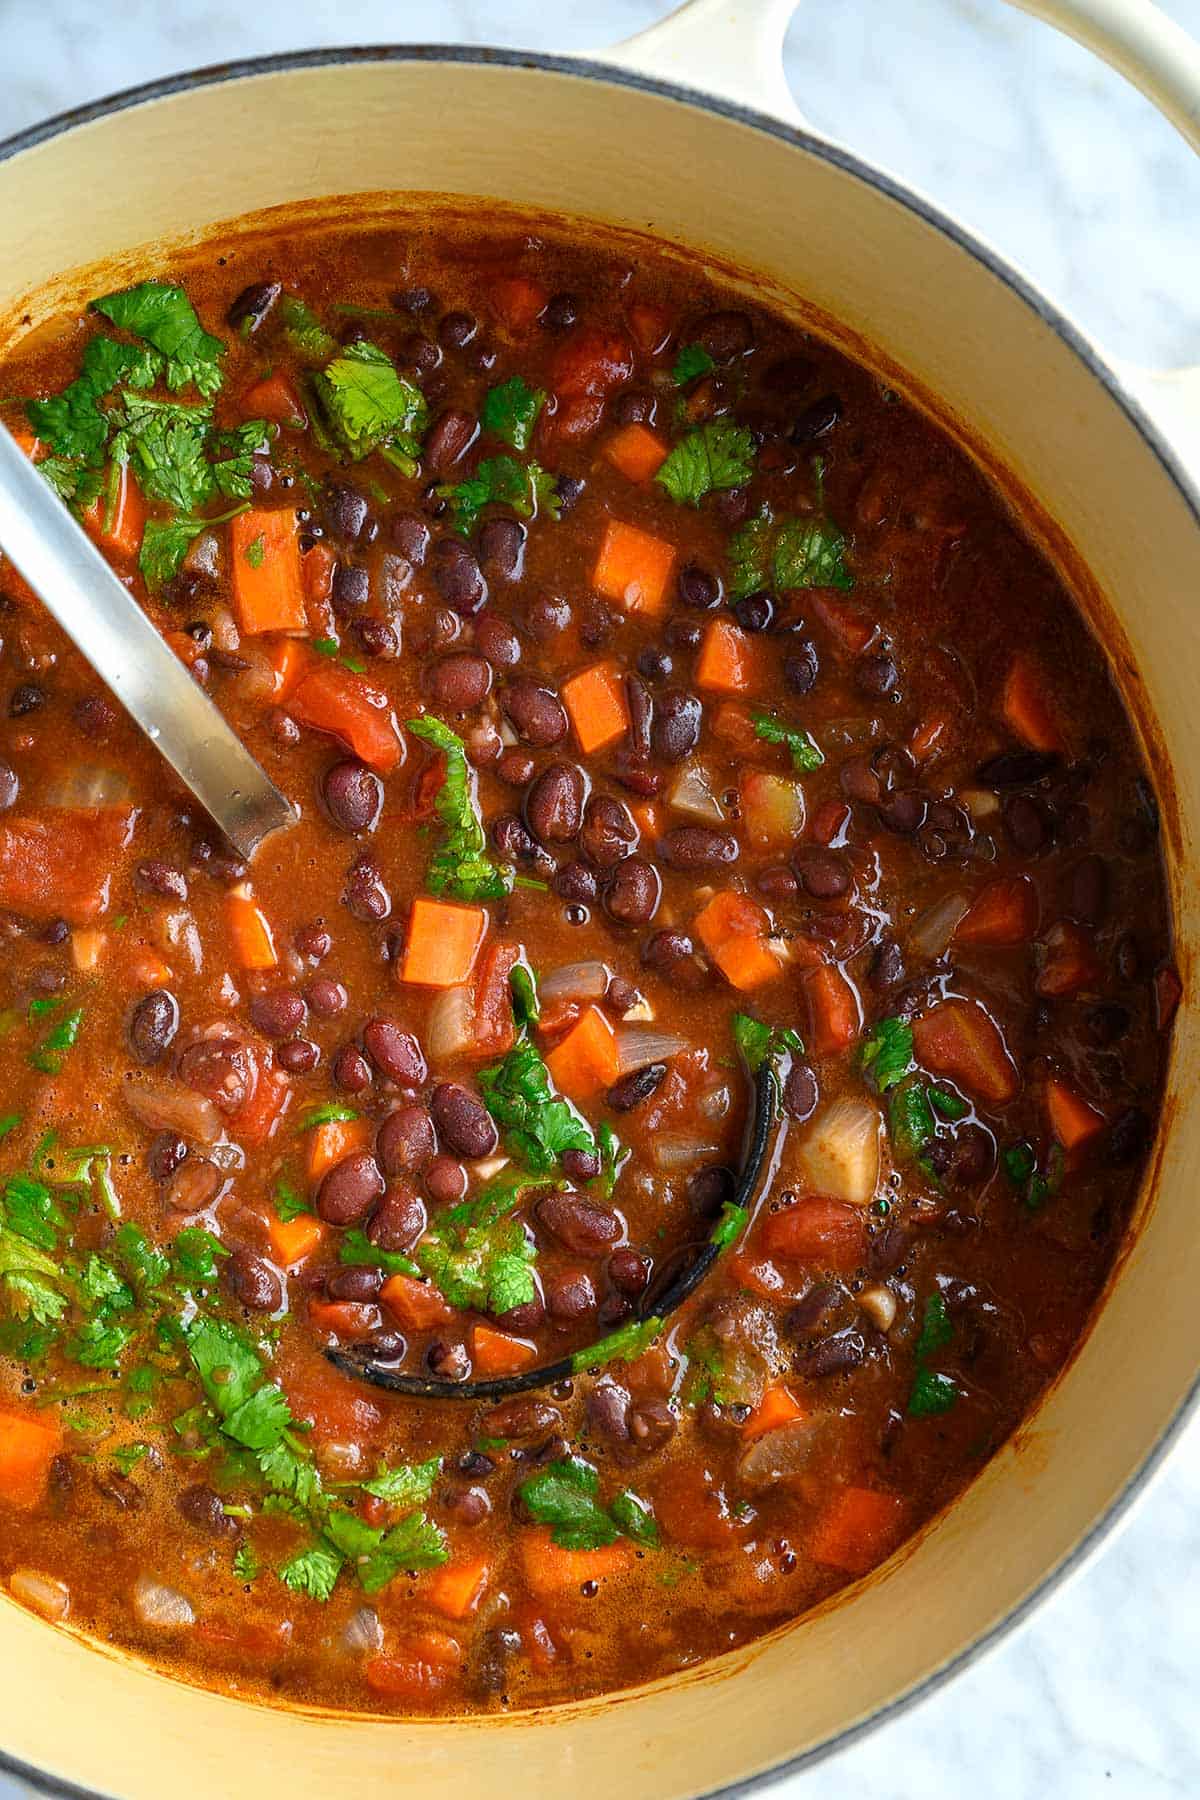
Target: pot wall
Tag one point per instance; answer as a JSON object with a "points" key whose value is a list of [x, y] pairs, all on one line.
{"points": [[798, 216]]}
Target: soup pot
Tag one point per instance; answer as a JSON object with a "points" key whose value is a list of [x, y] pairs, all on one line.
{"points": [[1102, 485]]}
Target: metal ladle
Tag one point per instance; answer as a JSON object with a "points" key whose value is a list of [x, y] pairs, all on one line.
{"points": [[105, 622]]}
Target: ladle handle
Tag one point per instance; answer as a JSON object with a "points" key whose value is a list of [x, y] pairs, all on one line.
{"points": [[103, 619]]}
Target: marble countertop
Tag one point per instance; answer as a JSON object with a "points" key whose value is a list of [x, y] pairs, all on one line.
{"points": [[1074, 177]]}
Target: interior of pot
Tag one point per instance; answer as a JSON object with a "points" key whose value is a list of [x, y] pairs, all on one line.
{"points": [[800, 219]]}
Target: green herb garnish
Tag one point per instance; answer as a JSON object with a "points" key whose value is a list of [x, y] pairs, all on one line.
{"points": [[707, 458], [461, 866]]}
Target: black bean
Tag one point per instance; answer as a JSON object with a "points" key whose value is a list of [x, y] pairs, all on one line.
{"points": [[607, 1408], [347, 513], [837, 1354], [463, 1123], [1026, 823], [299, 1056], [641, 714], [10, 786], [725, 335], [536, 713], [635, 1087], [445, 1180], [887, 967], [754, 612], [570, 1295], [559, 313], [351, 1070], [313, 942], [654, 664], [194, 1185], [651, 1425], [399, 1219], [394, 1051], [456, 329], [365, 895], [632, 896], [698, 587], [252, 1281], [1017, 768], [709, 1189], [459, 682], [875, 676], [326, 998], [816, 419], [152, 1025], [576, 882], [629, 1271], [355, 1283], [678, 716], [513, 839], [350, 1189], [502, 547], [410, 534], [800, 1092], [812, 1306], [554, 804], [167, 1151], [27, 697], [1129, 1138], [277, 1014], [203, 1507], [449, 1362], [581, 1226], [822, 873], [516, 768], [801, 666], [497, 641], [1088, 891], [458, 577], [609, 833], [972, 1157], [683, 634], [353, 795], [406, 1141], [350, 588], [450, 437], [904, 811], [698, 847], [632, 406], [252, 305]]}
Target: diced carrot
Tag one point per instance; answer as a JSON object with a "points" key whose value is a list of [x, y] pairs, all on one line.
{"points": [[332, 1141], [443, 941], [734, 930], [147, 969], [834, 1010], [316, 569], [290, 656], [495, 1353], [1073, 1120], [633, 568], [344, 1318], [929, 737], [595, 699], [587, 1061], [60, 863], [457, 1587], [274, 398], [333, 699], [417, 1305], [253, 945], [726, 661], [857, 1529], [591, 360], [1168, 992], [517, 301], [1025, 706], [959, 1039], [1067, 961], [244, 1640], [268, 591], [28, 1446], [636, 452], [829, 821], [551, 1571], [87, 948], [128, 518], [259, 1119], [294, 1240], [574, 416], [734, 726], [651, 327], [757, 1274], [778, 1406], [493, 1031], [826, 1232], [428, 1663], [1003, 914]]}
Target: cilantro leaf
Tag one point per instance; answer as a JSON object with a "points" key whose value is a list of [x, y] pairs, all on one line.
{"points": [[165, 543], [526, 487], [146, 1266], [368, 406], [227, 1363], [408, 1484], [910, 1120], [71, 422], [165, 318], [810, 553], [72, 480], [931, 1393], [357, 1248], [164, 443], [887, 1052], [525, 1004], [540, 1124], [288, 1203], [49, 1055], [290, 1476], [331, 1113], [729, 1226], [478, 1255], [563, 1495], [100, 1340], [255, 551], [261, 1420], [304, 331], [196, 1251], [757, 1041], [625, 1344], [712, 456], [415, 1543], [800, 746], [233, 455], [936, 1330], [511, 410], [246, 1565], [461, 865], [634, 1518], [31, 1282], [949, 1105], [128, 1456], [693, 360], [31, 1210], [313, 1571]]}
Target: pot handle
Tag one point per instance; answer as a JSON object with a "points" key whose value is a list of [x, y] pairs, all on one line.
{"points": [[731, 48]]}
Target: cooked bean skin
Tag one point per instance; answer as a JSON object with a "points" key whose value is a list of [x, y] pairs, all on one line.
{"points": [[462, 1122], [535, 713], [348, 1191], [152, 1026]]}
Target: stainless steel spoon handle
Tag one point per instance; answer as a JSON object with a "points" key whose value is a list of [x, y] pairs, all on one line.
{"points": [[103, 619]]}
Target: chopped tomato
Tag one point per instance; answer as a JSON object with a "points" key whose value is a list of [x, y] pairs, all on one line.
{"points": [[960, 1039], [829, 1233]]}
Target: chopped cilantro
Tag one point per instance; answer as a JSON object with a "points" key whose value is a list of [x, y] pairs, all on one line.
{"points": [[408, 1484], [229, 1366], [8, 1123], [949, 1105], [757, 1041], [246, 1565], [356, 1247], [612, 1158], [50, 1054], [255, 550], [910, 1121], [461, 866], [712, 456], [730, 1226], [313, 1571], [1035, 1184], [164, 317], [932, 1393], [539, 1124], [146, 1267], [693, 360], [887, 1052], [511, 410], [368, 406], [564, 1496], [165, 543], [525, 1004], [196, 1252], [304, 331], [800, 746], [332, 1112], [526, 487], [288, 1203], [787, 551], [72, 422], [625, 1344], [478, 1254], [129, 1456]]}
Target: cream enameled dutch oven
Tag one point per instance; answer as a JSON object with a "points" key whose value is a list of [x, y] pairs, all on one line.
{"points": [[898, 283]]}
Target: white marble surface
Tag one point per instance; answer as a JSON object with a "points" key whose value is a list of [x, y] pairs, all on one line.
{"points": [[1073, 176]]}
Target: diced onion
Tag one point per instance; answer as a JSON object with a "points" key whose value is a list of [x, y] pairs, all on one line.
{"points": [[165, 1607], [179, 937], [166, 1106], [671, 1153], [932, 930], [451, 1023], [575, 981], [714, 1102], [43, 1594], [692, 794], [225, 634], [777, 1455], [981, 803], [204, 557], [839, 1154], [395, 575], [89, 784], [638, 1045], [363, 1631]]}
